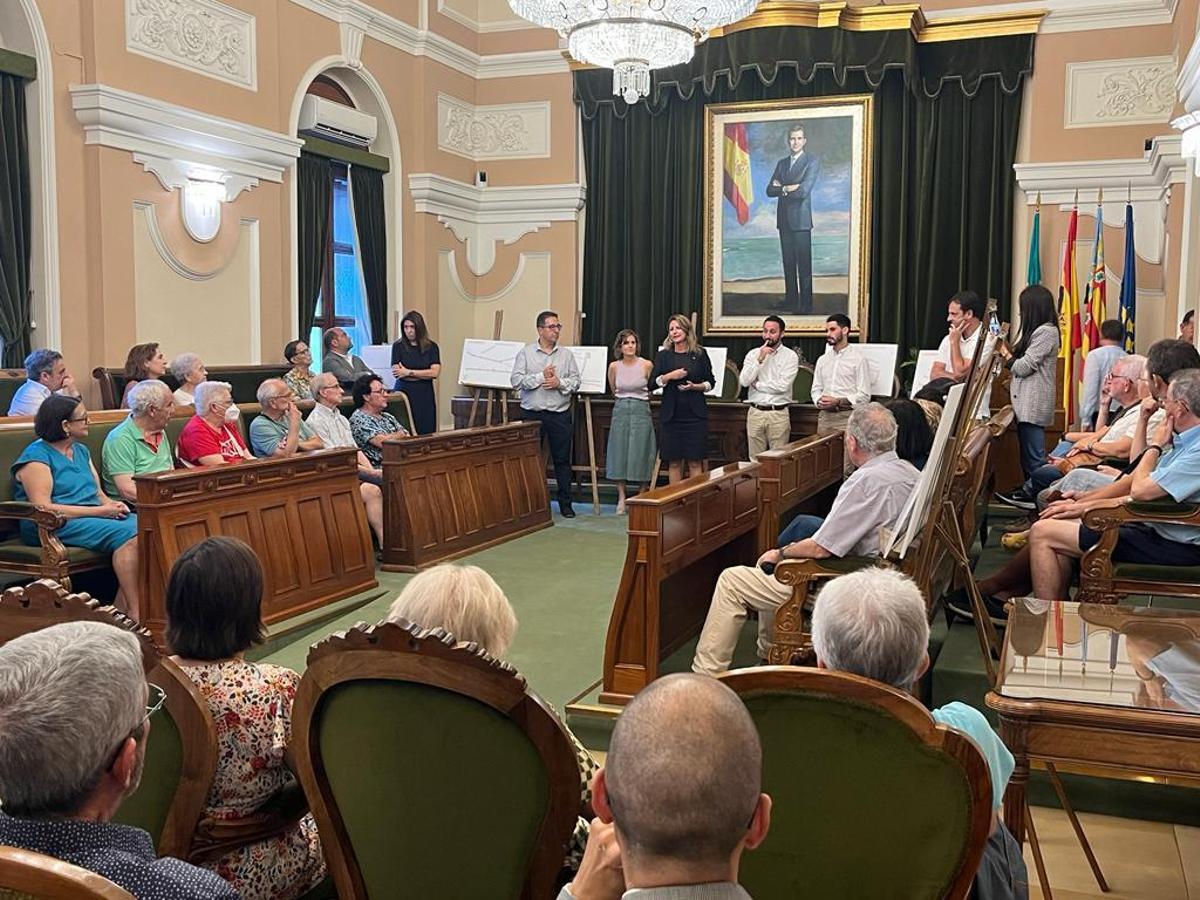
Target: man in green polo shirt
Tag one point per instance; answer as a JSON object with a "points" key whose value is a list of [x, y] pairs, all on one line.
{"points": [[139, 445]]}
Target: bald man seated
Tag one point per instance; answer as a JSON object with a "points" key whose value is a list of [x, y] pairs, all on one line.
{"points": [[679, 799]]}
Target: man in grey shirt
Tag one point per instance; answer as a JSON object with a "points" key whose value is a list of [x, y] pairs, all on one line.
{"points": [[869, 501], [547, 376], [338, 361]]}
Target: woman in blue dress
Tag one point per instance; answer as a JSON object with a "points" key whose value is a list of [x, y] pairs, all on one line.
{"points": [[55, 472]]}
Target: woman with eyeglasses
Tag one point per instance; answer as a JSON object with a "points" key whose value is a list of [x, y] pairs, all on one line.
{"points": [[214, 615], [299, 376], [371, 423], [55, 472], [416, 363]]}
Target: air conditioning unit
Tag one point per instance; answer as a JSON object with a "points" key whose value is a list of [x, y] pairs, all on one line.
{"points": [[335, 122]]}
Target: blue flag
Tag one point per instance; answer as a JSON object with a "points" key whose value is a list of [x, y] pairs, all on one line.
{"points": [[1129, 281]]}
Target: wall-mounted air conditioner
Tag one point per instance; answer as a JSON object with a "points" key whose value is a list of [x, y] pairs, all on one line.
{"points": [[335, 122]]}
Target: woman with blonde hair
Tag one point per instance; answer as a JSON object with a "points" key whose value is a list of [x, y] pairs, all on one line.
{"points": [[631, 443], [683, 370]]}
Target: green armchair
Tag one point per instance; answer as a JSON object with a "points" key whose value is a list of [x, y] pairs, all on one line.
{"points": [[1101, 580]]}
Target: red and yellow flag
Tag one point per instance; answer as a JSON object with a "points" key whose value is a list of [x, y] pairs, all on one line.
{"points": [[1069, 325], [739, 189], [1097, 305]]}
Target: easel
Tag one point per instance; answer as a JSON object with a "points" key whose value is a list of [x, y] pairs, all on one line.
{"points": [[492, 393], [591, 433]]}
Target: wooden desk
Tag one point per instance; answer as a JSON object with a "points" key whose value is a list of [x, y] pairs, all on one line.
{"points": [[303, 516], [455, 492], [1056, 708], [793, 475], [726, 427], [680, 539]]}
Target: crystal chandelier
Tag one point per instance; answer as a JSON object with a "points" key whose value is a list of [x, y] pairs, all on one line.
{"points": [[631, 37]]}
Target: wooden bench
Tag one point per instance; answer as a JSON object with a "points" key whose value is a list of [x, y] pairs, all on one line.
{"points": [[799, 473], [455, 492], [244, 380]]}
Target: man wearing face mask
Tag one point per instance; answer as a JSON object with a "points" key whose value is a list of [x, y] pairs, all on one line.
{"points": [[211, 436], [338, 361], [769, 371], [842, 379]]}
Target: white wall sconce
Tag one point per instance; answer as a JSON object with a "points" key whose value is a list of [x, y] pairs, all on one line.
{"points": [[203, 189]]}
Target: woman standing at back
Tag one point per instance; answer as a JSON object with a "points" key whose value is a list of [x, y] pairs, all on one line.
{"points": [[416, 362], [682, 369], [631, 444]]}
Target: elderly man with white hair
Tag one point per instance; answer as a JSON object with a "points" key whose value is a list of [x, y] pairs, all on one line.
{"points": [[74, 720], [189, 371], [139, 445], [873, 623], [327, 423], [211, 437], [868, 502], [280, 431]]}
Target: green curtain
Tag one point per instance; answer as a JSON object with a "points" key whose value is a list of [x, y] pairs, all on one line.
{"points": [[314, 189], [366, 191], [14, 221], [945, 129]]}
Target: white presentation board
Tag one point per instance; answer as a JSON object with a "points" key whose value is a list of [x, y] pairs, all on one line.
{"points": [[378, 358], [488, 364], [925, 361], [593, 368], [717, 357], [882, 358]]}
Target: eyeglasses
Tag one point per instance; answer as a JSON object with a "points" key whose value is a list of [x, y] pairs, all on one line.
{"points": [[84, 418], [552, 327], [378, 391], [287, 396], [223, 403], [157, 697]]}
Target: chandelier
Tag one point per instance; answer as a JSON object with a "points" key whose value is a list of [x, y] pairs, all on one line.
{"points": [[631, 37]]}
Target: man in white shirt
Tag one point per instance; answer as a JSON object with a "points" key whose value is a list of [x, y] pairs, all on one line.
{"points": [[769, 372], [964, 314], [842, 379], [46, 374]]}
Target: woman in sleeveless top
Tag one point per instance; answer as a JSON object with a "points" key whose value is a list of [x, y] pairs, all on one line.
{"points": [[631, 445]]}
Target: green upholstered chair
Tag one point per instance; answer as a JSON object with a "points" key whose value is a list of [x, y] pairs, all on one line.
{"points": [[25, 875], [871, 798], [730, 386], [1101, 580], [802, 386], [410, 747], [10, 382]]}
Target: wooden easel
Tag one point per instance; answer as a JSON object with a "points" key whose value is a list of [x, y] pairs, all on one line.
{"points": [[492, 393], [591, 432]]}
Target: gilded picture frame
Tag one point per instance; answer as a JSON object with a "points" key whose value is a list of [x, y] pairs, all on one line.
{"points": [[799, 245]]}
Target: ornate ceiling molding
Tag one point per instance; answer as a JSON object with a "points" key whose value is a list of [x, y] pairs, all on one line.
{"points": [[202, 36]]}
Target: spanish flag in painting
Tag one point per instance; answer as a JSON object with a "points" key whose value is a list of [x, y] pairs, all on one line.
{"points": [[739, 189]]}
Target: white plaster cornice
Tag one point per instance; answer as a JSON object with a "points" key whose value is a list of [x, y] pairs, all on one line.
{"points": [[423, 42], [1077, 15], [157, 130], [1188, 81], [454, 15], [482, 216]]}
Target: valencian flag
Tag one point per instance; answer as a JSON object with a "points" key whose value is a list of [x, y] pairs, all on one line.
{"points": [[739, 190], [1070, 337], [1129, 281], [1033, 271], [1096, 301]]}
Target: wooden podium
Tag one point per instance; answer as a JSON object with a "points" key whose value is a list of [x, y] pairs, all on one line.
{"points": [[455, 492]]}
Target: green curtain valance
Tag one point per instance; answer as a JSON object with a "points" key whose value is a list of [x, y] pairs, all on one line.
{"points": [[763, 54], [342, 153], [18, 64]]}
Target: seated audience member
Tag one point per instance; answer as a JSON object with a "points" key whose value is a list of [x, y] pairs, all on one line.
{"points": [[328, 423], [214, 596], [1055, 543], [74, 719], [1187, 327], [189, 371], [873, 623], [914, 437], [679, 798], [466, 602], [45, 374], [211, 437], [298, 377], [1096, 367], [280, 431], [144, 361], [56, 473], [139, 445], [346, 368], [371, 423], [869, 501]]}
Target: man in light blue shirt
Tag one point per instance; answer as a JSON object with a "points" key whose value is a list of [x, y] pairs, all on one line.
{"points": [[1096, 366], [46, 373]]}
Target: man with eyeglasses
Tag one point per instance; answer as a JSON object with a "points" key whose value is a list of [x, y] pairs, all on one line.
{"points": [[211, 437], [546, 375], [1097, 366], [280, 431], [74, 720], [139, 445]]}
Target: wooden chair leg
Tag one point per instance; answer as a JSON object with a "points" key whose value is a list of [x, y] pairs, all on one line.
{"points": [[1043, 881], [1061, 790]]}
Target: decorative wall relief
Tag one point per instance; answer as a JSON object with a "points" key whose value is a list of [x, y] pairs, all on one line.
{"points": [[201, 35], [503, 131], [1120, 92]]}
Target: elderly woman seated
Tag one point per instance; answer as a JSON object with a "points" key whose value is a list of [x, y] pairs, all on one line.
{"points": [[466, 602], [299, 376], [139, 445], [214, 597], [144, 361], [55, 472], [189, 371], [211, 437], [371, 423]]}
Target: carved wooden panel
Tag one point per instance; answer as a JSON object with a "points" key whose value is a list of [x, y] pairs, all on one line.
{"points": [[303, 516], [454, 492]]}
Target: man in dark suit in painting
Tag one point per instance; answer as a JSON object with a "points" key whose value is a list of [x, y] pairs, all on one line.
{"points": [[792, 182]]}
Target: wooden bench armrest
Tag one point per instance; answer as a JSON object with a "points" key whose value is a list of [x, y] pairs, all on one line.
{"points": [[800, 574], [1096, 568], [39, 515], [215, 837]]}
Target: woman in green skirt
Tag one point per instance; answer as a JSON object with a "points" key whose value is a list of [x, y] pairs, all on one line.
{"points": [[631, 445]]}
